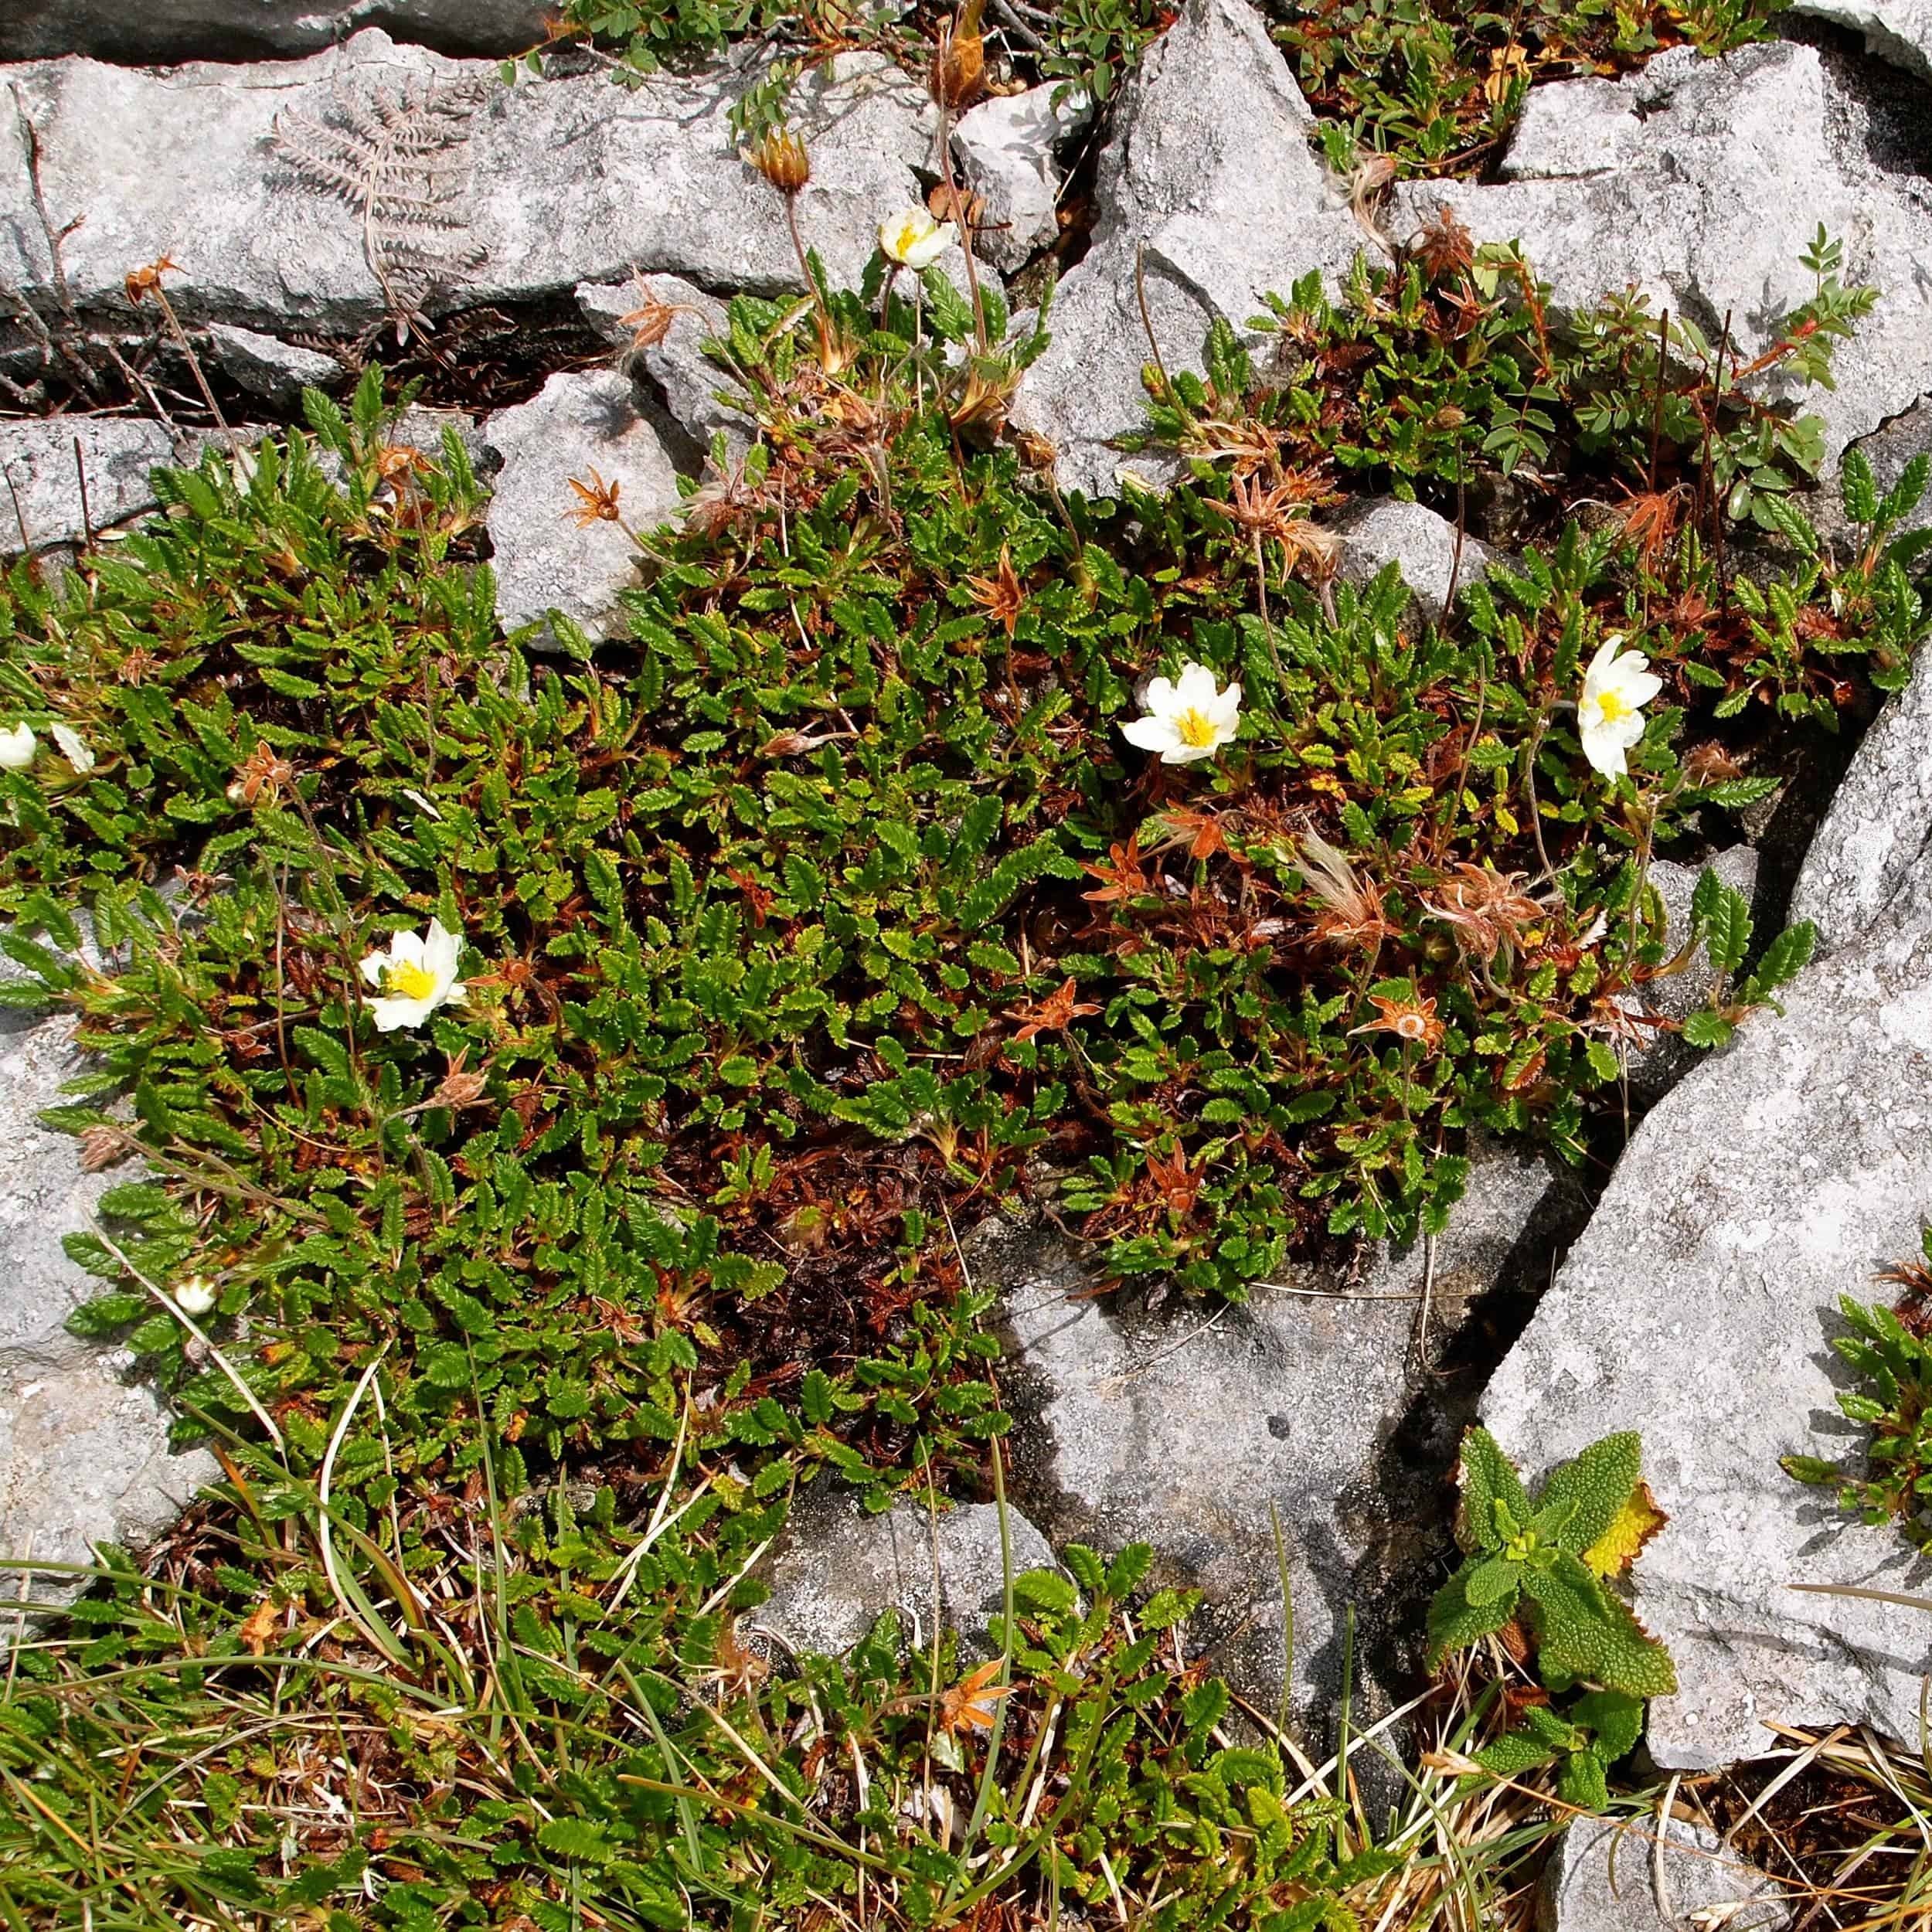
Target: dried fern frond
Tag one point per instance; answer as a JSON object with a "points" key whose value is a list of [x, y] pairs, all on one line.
{"points": [[400, 160]]}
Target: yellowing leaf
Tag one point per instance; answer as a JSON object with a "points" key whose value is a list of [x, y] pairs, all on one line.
{"points": [[1636, 1523]]}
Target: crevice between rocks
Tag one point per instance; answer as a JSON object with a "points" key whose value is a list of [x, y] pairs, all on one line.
{"points": [[118, 34], [1894, 122]]}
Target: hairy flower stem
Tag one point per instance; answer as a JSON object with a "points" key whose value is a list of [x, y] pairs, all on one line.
{"points": [[955, 210], [1529, 787], [194, 363], [821, 320], [1267, 625]]}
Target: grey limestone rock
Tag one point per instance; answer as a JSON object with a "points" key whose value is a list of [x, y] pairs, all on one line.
{"points": [[685, 379], [1900, 31], [177, 30], [1382, 531], [841, 1570], [116, 453], [1572, 128], [1604, 1876], [564, 179], [83, 1453], [1181, 1425], [1701, 183], [1009, 146], [1209, 170], [1874, 833], [545, 559], [266, 366], [1698, 1308]]}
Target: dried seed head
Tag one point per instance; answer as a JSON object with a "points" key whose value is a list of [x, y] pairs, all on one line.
{"points": [[1001, 596], [262, 771], [1710, 764], [142, 282], [1035, 451], [650, 324], [1489, 912], [958, 72], [459, 1088], [598, 502], [395, 460], [980, 413], [1443, 247], [781, 159], [101, 1146]]}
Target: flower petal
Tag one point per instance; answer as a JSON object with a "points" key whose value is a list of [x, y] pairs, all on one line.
{"points": [[372, 967], [391, 1014], [1151, 734], [1599, 667], [1186, 754], [1638, 686], [1196, 689], [1161, 699], [72, 748], [441, 948]]}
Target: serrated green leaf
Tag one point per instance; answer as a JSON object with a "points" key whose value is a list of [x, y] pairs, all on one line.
{"points": [[1486, 1477], [1585, 1631], [1594, 1485]]}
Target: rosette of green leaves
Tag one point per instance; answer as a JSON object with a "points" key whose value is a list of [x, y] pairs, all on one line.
{"points": [[1527, 1560]]}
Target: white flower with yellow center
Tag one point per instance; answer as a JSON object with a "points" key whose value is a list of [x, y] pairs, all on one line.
{"points": [[913, 239], [1609, 715], [416, 975], [17, 747], [1187, 718]]}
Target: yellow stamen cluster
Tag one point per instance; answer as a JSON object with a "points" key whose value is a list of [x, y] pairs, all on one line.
{"points": [[406, 981]]}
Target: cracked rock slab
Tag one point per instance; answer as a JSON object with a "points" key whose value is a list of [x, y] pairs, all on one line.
{"points": [[1183, 1424], [1900, 31], [266, 366], [166, 30], [1008, 147], [1699, 1307], [1210, 170], [1874, 833], [684, 378], [1701, 183], [565, 179], [117, 455], [84, 1445]]}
